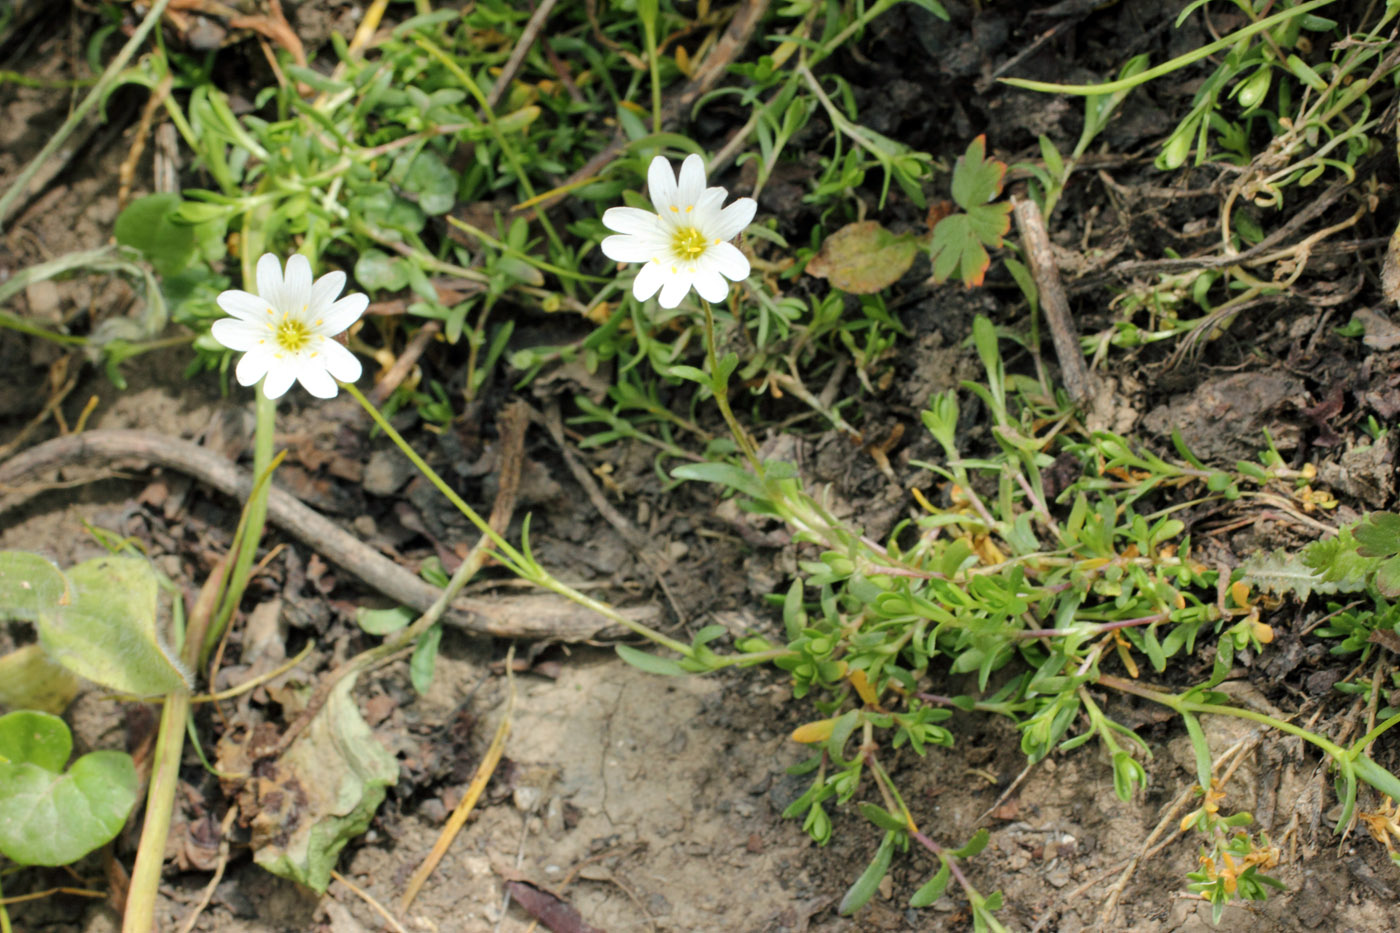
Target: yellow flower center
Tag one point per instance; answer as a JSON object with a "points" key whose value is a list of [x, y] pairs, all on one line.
{"points": [[688, 243], [292, 334]]}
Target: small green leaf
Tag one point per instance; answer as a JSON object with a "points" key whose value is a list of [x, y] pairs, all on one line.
{"points": [[933, 888], [1378, 535], [37, 738], [420, 668], [649, 662], [148, 224], [48, 817], [869, 881], [384, 621], [973, 846], [882, 817]]}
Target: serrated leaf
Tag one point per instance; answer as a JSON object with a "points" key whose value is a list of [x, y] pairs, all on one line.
{"points": [[1336, 560], [51, 817], [1388, 578], [976, 179], [960, 241], [863, 258], [108, 632], [1285, 574], [1378, 535]]}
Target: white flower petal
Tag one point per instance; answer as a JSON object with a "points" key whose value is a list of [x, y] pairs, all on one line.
{"points": [[342, 314], [675, 287], [326, 290], [726, 259], [253, 366], [631, 220], [707, 207], [270, 280], [296, 287], [661, 185], [692, 182], [734, 218], [316, 380], [280, 376], [649, 280], [340, 362], [711, 285], [237, 334], [633, 248], [242, 305]]}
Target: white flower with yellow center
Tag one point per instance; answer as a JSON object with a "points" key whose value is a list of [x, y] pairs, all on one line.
{"points": [[686, 242], [286, 330]]}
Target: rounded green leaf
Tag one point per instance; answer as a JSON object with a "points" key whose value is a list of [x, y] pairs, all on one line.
{"points": [[27, 737], [29, 584], [53, 819]]}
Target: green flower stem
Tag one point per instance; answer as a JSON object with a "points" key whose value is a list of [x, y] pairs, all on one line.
{"points": [[721, 394], [520, 563], [4, 914], [255, 516], [160, 802], [99, 92], [647, 11], [1181, 61]]}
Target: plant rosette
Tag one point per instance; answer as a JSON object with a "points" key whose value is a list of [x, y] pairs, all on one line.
{"points": [[685, 243], [286, 331]]}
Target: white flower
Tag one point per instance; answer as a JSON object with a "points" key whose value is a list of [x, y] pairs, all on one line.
{"points": [[285, 331], [686, 242]]}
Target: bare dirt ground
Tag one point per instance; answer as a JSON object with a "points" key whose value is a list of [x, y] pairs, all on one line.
{"points": [[651, 803]]}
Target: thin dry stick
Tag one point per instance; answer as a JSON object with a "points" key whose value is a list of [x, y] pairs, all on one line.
{"points": [[474, 789], [373, 904], [517, 54], [208, 895], [395, 375], [1073, 371], [537, 616]]}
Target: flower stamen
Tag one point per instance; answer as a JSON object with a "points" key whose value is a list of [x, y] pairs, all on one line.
{"points": [[688, 243], [292, 334]]}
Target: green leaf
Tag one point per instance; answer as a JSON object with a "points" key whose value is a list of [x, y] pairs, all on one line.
{"points": [[148, 224], [649, 662], [882, 817], [1378, 535], [863, 258], [378, 271], [328, 785], [933, 888], [30, 584], [38, 738], [976, 179], [420, 668], [108, 632], [30, 680], [725, 474], [384, 621], [869, 881], [426, 176], [973, 846], [48, 817]]}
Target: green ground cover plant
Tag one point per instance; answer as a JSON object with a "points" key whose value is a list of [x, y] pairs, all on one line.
{"points": [[1037, 593]]}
